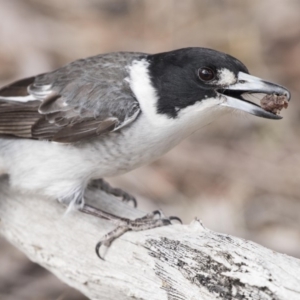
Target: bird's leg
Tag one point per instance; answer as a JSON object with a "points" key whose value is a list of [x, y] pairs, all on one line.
{"points": [[149, 221], [104, 186]]}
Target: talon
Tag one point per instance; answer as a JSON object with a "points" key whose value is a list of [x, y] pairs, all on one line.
{"points": [[127, 199], [175, 219], [97, 249], [157, 213], [134, 202]]}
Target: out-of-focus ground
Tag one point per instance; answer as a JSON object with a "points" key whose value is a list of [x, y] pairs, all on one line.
{"points": [[240, 175]]}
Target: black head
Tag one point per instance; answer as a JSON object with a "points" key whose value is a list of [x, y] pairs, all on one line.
{"points": [[185, 76]]}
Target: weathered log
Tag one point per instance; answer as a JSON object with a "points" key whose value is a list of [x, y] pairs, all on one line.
{"points": [[173, 262]]}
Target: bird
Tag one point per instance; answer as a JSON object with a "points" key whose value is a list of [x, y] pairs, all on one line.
{"points": [[108, 114]]}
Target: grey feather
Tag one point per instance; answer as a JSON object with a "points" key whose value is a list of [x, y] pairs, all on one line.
{"points": [[83, 99]]}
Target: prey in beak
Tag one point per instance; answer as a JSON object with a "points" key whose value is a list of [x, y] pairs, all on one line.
{"points": [[276, 97]]}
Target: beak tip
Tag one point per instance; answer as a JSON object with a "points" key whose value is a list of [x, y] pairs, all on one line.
{"points": [[250, 84], [288, 95]]}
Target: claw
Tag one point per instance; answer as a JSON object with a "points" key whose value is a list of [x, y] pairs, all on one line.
{"points": [[97, 249], [128, 199], [157, 213], [175, 218]]}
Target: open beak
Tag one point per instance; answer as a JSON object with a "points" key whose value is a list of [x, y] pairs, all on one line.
{"points": [[248, 84]]}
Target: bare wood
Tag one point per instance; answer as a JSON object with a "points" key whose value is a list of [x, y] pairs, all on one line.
{"points": [[174, 262]]}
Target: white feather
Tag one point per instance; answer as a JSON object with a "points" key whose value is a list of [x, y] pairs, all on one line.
{"points": [[141, 86], [226, 77], [19, 98]]}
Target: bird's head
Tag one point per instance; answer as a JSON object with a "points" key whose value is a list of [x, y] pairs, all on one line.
{"points": [[197, 80]]}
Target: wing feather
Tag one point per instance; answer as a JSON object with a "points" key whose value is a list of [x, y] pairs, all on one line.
{"points": [[82, 100]]}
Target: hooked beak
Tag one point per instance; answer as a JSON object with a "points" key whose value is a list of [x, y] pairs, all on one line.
{"points": [[248, 84]]}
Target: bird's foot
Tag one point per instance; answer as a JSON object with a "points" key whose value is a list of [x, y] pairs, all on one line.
{"points": [[107, 188], [149, 221]]}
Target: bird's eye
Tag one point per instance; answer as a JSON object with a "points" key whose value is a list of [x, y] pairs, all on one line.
{"points": [[206, 74]]}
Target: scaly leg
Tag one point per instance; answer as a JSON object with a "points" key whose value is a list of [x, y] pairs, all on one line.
{"points": [[149, 221], [104, 186]]}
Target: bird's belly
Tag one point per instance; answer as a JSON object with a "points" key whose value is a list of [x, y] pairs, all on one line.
{"points": [[131, 148], [58, 169]]}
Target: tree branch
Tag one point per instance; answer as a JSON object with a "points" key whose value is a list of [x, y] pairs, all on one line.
{"points": [[174, 262]]}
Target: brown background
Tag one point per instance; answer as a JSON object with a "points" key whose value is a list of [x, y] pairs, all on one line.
{"points": [[240, 175]]}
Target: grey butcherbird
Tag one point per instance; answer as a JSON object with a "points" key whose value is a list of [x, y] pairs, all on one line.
{"points": [[108, 114]]}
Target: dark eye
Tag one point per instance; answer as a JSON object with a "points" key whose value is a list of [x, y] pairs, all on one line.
{"points": [[206, 74]]}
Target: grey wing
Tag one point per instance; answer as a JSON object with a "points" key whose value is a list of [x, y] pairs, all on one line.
{"points": [[82, 100]]}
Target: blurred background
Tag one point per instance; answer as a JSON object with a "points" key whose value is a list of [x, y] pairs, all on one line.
{"points": [[240, 175]]}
